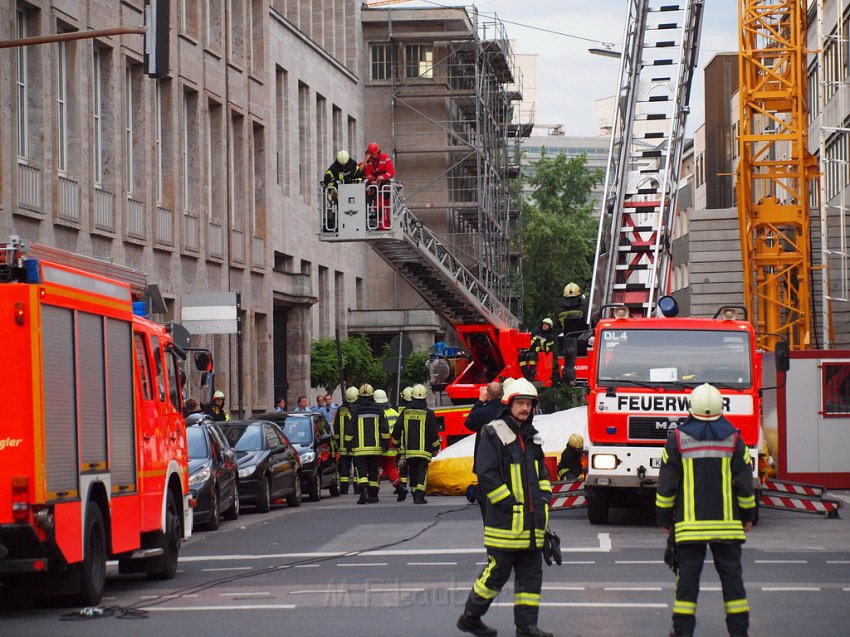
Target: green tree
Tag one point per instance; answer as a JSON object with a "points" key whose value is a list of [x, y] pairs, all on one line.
{"points": [[559, 232], [359, 363]]}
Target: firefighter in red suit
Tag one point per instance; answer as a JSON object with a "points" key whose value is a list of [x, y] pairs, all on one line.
{"points": [[378, 169]]}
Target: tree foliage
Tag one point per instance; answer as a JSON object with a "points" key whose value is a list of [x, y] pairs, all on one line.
{"points": [[559, 232], [359, 363]]}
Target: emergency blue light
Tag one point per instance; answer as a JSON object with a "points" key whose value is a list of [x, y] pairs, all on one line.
{"points": [[610, 430], [668, 306], [140, 308], [33, 273]]}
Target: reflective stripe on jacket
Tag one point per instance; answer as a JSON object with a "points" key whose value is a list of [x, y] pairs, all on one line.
{"points": [[367, 433], [416, 431]]}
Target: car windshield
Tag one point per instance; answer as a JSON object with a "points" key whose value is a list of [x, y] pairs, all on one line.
{"points": [[299, 430], [197, 443], [245, 437], [681, 357]]}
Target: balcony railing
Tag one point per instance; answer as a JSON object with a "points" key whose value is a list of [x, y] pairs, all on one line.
{"points": [[237, 246], [69, 199], [164, 227], [104, 210], [215, 241], [135, 219], [191, 233], [258, 253], [29, 188]]}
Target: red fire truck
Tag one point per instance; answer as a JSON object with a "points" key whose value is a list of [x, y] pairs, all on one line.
{"points": [[93, 459], [641, 372]]}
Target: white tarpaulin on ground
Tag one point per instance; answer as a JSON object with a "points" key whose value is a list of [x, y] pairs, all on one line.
{"points": [[451, 471]]}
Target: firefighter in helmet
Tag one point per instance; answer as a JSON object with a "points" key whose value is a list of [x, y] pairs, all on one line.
{"points": [[569, 467], [512, 474], [388, 458], [367, 437], [217, 411], [341, 419], [705, 498], [378, 170], [416, 432], [542, 342]]}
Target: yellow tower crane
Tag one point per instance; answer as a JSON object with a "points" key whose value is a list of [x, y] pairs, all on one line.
{"points": [[776, 171]]}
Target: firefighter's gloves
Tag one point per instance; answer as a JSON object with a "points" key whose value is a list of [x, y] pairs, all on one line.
{"points": [[671, 555], [551, 548]]}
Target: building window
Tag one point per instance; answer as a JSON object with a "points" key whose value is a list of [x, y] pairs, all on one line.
{"points": [[128, 129], [352, 136], [418, 61], [191, 176], [836, 389], [282, 118], [321, 129], [22, 86], [814, 92], [97, 116], [62, 107], [212, 25], [189, 17], [336, 126], [215, 161], [303, 139], [158, 115], [258, 174], [236, 31], [380, 65]]}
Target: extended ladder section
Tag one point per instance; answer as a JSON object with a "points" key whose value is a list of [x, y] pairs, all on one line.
{"points": [[659, 55], [379, 215]]}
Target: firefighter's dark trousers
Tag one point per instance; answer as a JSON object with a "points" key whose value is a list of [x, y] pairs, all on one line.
{"points": [[727, 562], [528, 579], [345, 470], [367, 471], [417, 473]]}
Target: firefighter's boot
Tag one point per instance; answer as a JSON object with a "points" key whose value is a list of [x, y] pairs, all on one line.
{"points": [[343, 488], [363, 496], [419, 497], [474, 625], [401, 492], [531, 630], [372, 495]]}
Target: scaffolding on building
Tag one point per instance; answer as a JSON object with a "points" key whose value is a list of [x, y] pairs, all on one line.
{"points": [[456, 133]]}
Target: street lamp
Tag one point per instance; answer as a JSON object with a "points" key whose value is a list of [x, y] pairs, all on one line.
{"points": [[606, 52]]}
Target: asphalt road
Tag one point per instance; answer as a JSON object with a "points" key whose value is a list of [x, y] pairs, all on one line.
{"points": [[335, 568]]}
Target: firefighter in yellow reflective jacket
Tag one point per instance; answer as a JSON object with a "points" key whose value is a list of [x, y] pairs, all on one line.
{"points": [[388, 458], [367, 437], [341, 419], [416, 432], [512, 473], [705, 496], [542, 342]]}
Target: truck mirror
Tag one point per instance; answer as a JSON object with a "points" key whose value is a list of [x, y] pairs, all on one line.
{"points": [[203, 361], [783, 356]]}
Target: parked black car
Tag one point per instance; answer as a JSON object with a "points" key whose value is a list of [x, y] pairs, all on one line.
{"points": [[269, 466], [312, 437], [212, 473]]}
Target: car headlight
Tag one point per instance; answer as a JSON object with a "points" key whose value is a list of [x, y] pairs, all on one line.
{"points": [[245, 472], [200, 476], [308, 456], [605, 461]]}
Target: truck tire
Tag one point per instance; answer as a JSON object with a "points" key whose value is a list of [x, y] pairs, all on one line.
{"points": [[597, 507], [232, 512], [92, 571], [165, 567], [264, 497]]}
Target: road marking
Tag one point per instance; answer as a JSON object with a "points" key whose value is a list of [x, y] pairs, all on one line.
{"points": [[789, 589], [307, 565], [604, 542], [319, 591], [632, 588], [362, 564], [395, 590], [228, 568], [638, 561], [782, 561], [580, 562], [432, 563], [257, 594], [466, 588], [163, 596], [481, 563], [591, 605], [711, 588], [846, 588], [838, 561], [564, 588], [228, 609]]}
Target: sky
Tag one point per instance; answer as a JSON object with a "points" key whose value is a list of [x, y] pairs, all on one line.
{"points": [[570, 79]]}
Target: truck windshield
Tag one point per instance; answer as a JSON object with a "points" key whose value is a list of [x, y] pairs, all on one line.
{"points": [[674, 356]]}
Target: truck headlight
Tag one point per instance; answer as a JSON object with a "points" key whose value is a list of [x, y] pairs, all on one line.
{"points": [[200, 476], [604, 461], [308, 456]]}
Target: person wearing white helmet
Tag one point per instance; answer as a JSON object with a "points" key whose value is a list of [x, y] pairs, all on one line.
{"points": [[367, 436], [705, 499], [416, 432], [512, 476], [216, 411], [571, 317], [342, 418], [344, 170], [542, 342], [390, 455]]}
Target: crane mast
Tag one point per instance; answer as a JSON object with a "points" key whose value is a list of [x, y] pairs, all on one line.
{"points": [[661, 45], [775, 171]]}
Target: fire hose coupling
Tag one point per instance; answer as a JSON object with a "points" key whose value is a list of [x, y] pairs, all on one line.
{"points": [[92, 611]]}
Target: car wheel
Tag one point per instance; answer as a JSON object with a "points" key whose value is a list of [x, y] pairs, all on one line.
{"points": [[166, 565], [335, 486], [93, 568], [232, 512], [215, 510], [315, 491], [264, 497], [294, 498]]}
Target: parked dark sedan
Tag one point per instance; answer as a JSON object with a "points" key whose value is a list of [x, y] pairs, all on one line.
{"points": [[269, 466], [311, 435], [212, 474]]}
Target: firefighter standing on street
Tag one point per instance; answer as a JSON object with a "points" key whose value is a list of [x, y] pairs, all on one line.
{"points": [[217, 411], [512, 473], [388, 458], [378, 169], [416, 432], [705, 496], [367, 436], [341, 420]]}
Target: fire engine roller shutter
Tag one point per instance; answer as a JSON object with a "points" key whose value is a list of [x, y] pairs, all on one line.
{"points": [[119, 367], [60, 402], [92, 392]]}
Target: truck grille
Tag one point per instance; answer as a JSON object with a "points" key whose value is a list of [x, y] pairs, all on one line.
{"points": [[652, 427]]}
